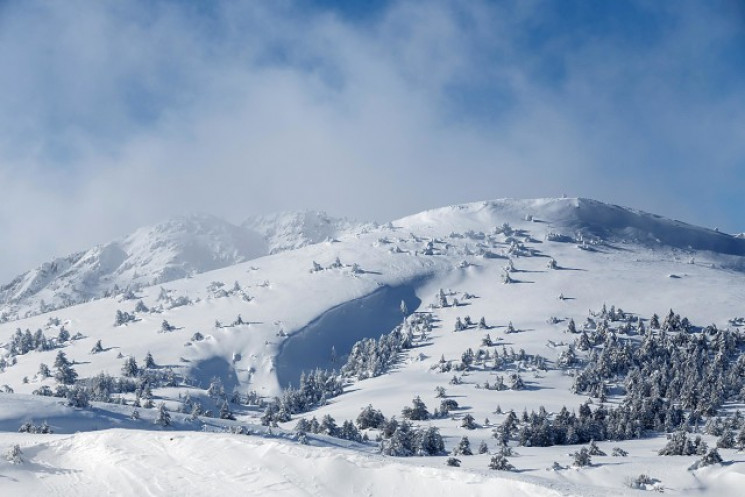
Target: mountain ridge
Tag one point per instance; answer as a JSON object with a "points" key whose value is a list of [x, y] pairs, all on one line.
{"points": [[173, 249]]}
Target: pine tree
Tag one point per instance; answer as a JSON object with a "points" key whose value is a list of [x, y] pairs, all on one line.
{"points": [[149, 362], [97, 348], [14, 454], [594, 450], [129, 368], [500, 463], [61, 359], [418, 411], [370, 418], [44, 371], [582, 458], [328, 426], [163, 417], [66, 374], [572, 327], [463, 448], [225, 411], [468, 422]]}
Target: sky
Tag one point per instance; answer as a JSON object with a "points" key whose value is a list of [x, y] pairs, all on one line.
{"points": [[115, 115]]}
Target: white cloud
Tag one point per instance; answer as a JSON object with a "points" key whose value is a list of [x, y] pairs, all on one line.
{"points": [[117, 115]]}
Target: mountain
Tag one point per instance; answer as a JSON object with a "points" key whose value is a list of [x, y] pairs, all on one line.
{"points": [[174, 249], [292, 230], [586, 321]]}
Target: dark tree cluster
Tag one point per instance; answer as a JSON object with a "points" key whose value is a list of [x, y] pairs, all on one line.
{"points": [[328, 426], [406, 440], [314, 390], [699, 371], [485, 359], [370, 358], [23, 342]]}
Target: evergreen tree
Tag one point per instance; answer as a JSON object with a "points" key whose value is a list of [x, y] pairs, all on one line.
{"points": [[500, 463], [428, 442], [163, 417], [149, 362], [14, 455], [61, 360], [328, 426], [582, 458], [129, 368], [468, 422], [97, 347], [225, 411], [463, 448], [418, 411], [44, 371], [63, 335], [66, 374], [370, 418]]}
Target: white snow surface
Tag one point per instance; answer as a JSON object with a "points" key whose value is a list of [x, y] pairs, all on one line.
{"points": [[606, 255], [174, 249]]}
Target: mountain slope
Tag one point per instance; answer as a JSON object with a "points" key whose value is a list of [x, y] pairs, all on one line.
{"points": [[171, 250], [528, 267], [291, 230]]}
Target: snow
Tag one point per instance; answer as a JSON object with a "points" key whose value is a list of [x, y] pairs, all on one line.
{"points": [[101, 463], [174, 249], [607, 255]]}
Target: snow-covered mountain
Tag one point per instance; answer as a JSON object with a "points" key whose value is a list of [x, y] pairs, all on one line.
{"points": [[157, 254], [512, 306], [291, 230]]}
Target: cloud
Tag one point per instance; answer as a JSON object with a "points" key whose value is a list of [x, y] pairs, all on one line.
{"points": [[116, 115]]}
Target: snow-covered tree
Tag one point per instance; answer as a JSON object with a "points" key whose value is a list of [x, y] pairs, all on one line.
{"points": [[163, 417], [130, 368], [500, 463], [468, 422], [61, 359], [370, 418], [582, 458], [44, 371], [225, 412], [97, 347], [149, 362], [417, 412], [66, 374], [14, 455], [463, 448]]}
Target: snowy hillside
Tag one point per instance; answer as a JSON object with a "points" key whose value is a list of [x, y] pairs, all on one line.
{"points": [[291, 230], [514, 310], [171, 250]]}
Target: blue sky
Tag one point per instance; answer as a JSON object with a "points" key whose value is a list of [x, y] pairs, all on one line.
{"points": [[119, 114]]}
